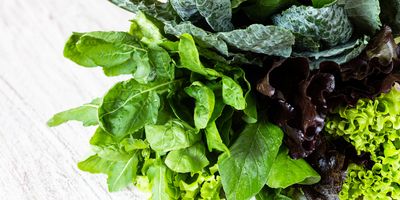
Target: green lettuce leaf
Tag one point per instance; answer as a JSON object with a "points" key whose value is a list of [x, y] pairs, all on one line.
{"points": [[250, 161], [87, 114]]}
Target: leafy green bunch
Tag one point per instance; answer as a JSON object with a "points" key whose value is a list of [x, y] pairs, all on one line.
{"points": [[182, 127], [372, 126]]}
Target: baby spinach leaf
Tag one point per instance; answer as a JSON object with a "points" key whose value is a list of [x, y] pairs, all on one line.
{"points": [[102, 138], [364, 14], [190, 59], [129, 106], [257, 38], [232, 93], [191, 159], [145, 72], [128, 67], [145, 30], [87, 114], [218, 14], [107, 48], [214, 140], [171, 136], [251, 159], [72, 53], [165, 69], [296, 171], [205, 102], [131, 144]]}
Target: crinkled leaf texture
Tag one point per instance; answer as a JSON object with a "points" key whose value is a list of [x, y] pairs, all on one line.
{"points": [[218, 14], [296, 97], [257, 38], [186, 9], [250, 160], [314, 27], [161, 10]]}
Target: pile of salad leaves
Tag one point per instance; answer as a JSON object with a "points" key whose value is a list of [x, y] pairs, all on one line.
{"points": [[235, 99]]}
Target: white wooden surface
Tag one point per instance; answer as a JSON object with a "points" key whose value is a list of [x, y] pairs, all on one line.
{"points": [[37, 162]]}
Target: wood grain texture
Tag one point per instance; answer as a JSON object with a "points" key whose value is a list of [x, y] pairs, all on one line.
{"points": [[37, 162]]}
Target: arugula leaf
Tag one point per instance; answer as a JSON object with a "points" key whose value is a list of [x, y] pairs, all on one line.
{"points": [[159, 181], [87, 114], [120, 174], [296, 171], [257, 38], [191, 159], [129, 106], [251, 159], [72, 53], [171, 136], [218, 14], [364, 14], [205, 102], [316, 26]]}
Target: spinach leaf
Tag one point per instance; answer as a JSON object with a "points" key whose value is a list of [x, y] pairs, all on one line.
{"points": [[87, 114], [296, 171], [191, 159], [72, 53], [214, 140], [205, 102], [129, 106], [171, 136], [251, 159], [145, 30], [190, 59], [232, 93], [218, 14], [102, 138]]}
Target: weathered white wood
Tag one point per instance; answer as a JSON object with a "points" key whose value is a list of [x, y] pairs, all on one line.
{"points": [[37, 162]]}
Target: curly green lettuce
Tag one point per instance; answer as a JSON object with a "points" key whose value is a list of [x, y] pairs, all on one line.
{"points": [[371, 126]]}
